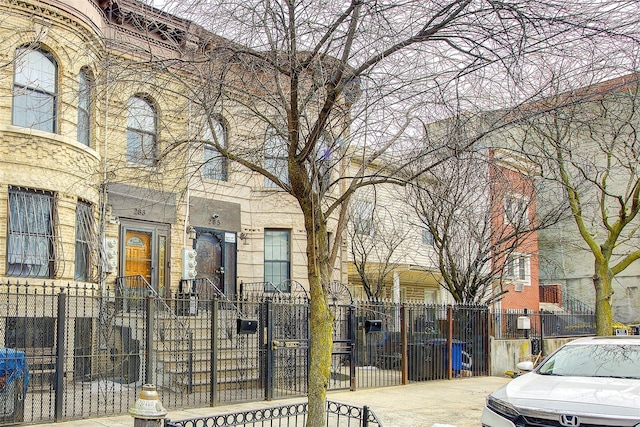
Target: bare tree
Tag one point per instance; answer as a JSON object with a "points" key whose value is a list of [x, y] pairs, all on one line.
{"points": [[376, 234], [586, 141], [480, 208], [307, 80]]}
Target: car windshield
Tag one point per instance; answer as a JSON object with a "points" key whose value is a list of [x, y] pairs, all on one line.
{"points": [[617, 361]]}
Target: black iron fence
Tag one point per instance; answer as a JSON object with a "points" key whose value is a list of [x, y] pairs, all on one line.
{"points": [[294, 415], [416, 342], [89, 351], [519, 324]]}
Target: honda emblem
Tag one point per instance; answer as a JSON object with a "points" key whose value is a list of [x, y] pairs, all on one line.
{"points": [[569, 421]]}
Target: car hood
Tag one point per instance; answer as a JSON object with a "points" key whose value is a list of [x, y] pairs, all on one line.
{"points": [[576, 395]]}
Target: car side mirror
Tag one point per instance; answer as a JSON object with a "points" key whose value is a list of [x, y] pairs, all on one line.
{"points": [[525, 366]]}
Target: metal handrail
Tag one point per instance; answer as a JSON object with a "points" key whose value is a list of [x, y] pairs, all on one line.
{"points": [[121, 285], [221, 295]]}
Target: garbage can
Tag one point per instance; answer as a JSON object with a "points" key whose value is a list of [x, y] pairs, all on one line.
{"points": [[14, 380], [441, 354]]}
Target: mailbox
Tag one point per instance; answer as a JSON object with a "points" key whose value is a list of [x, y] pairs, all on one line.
{"points": [[374, 325], [524, 323], [247, 326]]}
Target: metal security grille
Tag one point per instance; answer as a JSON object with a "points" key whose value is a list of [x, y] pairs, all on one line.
{"points": [[32, 246], [288, 336], [87, 248]]}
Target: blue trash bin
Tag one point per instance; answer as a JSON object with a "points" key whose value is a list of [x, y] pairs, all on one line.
{"points": [[440, 347], [14, 380]]}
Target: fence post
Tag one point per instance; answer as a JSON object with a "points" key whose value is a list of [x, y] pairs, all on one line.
{"points": [[488, 332], [352, 346], [60, 350], [190, 361], [449, 342], [542, 316], [214, 350], [365, 416], [268, 392], [404, 340], [149, 369]]}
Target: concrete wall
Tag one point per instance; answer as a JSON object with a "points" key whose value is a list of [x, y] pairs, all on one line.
{"points": [[505, 354]]}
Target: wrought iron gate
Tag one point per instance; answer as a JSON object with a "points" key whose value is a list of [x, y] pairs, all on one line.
{"points": [[287, 349]]}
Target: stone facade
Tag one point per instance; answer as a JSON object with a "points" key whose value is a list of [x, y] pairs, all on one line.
{"points": [[166, 202]]}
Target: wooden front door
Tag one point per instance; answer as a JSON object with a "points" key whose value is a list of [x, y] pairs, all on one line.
{"points": [[209, 258], [138, 254]]}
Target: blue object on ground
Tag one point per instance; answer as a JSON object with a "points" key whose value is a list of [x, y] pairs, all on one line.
{"points": [[14, 364]]}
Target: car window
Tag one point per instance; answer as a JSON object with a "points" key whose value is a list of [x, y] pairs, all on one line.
{"points": [[620, 361]]}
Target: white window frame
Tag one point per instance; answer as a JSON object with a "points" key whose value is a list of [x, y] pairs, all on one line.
{"points": [[275, 157], [362, 216], [518, 268], [277, 257], [427, 238], [85, 95], [215, 165], [142, 131], [35, 90]]}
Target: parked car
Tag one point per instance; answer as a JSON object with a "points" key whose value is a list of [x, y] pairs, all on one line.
{"points": [[591, 382]]}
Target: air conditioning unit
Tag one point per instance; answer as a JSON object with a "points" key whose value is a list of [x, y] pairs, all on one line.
{"points": [[518, 287]]}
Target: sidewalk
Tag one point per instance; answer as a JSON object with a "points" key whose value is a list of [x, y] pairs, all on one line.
{"points": [[456, 402]]}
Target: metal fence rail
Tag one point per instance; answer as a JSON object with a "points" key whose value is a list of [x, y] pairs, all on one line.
{"points": [[91, 350], [294, 415], [543, 324]]}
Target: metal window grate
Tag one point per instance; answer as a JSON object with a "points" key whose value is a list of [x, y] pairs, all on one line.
{"points": [[32, 244], [87, 248]]}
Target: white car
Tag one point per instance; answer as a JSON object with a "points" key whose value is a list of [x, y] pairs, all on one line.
{"points": [[589, 382]]}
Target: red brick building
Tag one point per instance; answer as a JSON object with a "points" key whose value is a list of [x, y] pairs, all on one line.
{"points": [[513, 199]]}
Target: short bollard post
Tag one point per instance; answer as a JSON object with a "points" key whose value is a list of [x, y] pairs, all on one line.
{"points": [[148, 411]]}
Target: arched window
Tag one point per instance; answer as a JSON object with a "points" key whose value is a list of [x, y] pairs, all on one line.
{"points": [[215, 165], [85, 95], [141, 131], [35, 89], [275, 157]]}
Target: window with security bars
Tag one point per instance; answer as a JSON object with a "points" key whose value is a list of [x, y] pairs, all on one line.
{"points": [[31, 240], [85, 236]]}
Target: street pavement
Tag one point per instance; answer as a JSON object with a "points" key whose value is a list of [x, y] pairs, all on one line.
{"points": [[443, 403]]}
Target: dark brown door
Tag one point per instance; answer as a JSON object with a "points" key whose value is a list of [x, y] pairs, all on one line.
{"points": [[209, 258]]}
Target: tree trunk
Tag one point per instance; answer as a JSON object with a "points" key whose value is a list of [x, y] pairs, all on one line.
{"points": [[321, 340], [604, 290], [320, 361]]}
